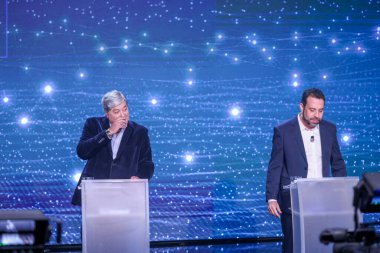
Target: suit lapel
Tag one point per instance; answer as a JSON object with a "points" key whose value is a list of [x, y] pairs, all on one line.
{"points": [[323, 136], [105, 126], [124, 140], [298, 137]]}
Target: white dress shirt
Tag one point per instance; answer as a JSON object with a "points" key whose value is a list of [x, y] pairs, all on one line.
{"points": [[312, 143], [115, 142]]}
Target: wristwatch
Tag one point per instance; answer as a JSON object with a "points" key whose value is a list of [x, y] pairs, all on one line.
{"points": [[109, 135]]}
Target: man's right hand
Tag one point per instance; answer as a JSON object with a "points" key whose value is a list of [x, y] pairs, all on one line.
{"points": [[117, 125], [274, 208]]}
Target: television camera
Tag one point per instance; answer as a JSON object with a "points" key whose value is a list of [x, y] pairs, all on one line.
{"points": [[364, 237]]}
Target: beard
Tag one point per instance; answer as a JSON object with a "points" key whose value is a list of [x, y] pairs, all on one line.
{"points": [[308, 120]]}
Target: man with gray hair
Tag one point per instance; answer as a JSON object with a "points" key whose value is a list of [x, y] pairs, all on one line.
{"points": [[114, 146]]}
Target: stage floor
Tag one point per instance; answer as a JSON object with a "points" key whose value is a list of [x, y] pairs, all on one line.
{"points": [[241, 248]]}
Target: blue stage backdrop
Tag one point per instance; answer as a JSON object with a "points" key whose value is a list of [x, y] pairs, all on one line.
{"points": [[209, 79]]}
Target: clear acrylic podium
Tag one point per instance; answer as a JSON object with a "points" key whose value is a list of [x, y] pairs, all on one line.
{"points": [[319, 204], [115, 216]]}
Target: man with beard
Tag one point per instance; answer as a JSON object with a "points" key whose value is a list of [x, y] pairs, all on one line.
{"points": [[114, 146], [303, 147]]}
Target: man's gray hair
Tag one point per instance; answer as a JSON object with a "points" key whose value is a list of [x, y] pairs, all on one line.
{"points": [[111, 99]]}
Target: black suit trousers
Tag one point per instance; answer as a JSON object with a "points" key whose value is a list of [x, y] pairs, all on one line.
{"points": [[286, 224]]}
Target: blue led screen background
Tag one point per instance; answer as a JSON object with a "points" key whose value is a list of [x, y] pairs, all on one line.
{"points": [[209, 79], [3, 28]]}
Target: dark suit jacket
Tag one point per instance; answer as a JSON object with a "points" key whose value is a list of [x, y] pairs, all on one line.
{"points": [[288, 159], [134, 157]]}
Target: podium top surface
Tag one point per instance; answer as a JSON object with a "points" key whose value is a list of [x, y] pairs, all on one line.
{"points": [[86, 181], [325, 179]]}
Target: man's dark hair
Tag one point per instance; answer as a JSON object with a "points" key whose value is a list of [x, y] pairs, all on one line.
{"points": [[312, 92]]}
